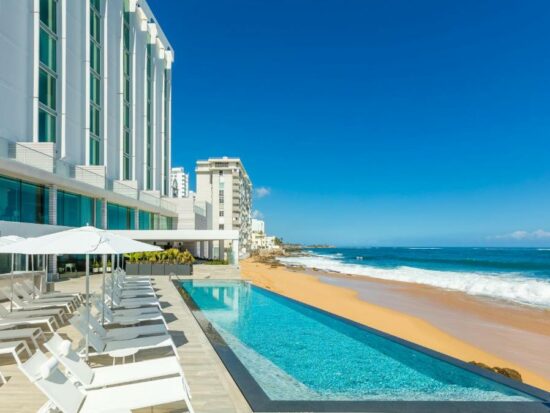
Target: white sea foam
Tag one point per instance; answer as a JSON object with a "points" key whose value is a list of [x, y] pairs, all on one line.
{"points": [[510, 287], [424, 248]]}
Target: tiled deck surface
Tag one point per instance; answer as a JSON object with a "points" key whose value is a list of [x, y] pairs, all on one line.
{"points": [[212, 387]]}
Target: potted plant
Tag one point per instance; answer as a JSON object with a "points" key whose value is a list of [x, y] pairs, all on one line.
{"points": [[171, 262], [157, 264], [145, 264], [185, 263], [108, 266], [96, 267]]}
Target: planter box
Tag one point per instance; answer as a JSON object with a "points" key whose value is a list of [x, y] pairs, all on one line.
{"points": [[157, 269], [132, 269], [145, 269], [171, 268]]}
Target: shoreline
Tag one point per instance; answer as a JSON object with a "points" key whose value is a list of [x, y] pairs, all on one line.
{"points": [[449, 322]]}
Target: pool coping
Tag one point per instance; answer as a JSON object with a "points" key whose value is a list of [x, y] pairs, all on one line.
{"points": [[260, 402]]}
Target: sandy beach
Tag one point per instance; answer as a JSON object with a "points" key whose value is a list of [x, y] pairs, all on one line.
{"points": [[465, 327]]}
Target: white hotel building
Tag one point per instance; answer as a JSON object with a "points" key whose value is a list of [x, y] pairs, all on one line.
{"points": [[85, 118]]}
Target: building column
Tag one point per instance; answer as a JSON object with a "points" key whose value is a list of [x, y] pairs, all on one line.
{"points": [[235, 252], [210, 250], [221, 250], [104, 221], [52, 219], [136, 218]]}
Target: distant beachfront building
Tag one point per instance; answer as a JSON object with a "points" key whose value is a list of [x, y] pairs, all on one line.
{"points": [[225, 185], [258, 226], [179, 183], [259, 239]]}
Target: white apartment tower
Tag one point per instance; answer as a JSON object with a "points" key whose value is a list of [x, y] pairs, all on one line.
{"points": [[179, 183], [85, 116], [224, 183]]}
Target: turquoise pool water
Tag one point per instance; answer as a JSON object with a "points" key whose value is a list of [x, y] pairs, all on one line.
{"points": [[295, 352]]}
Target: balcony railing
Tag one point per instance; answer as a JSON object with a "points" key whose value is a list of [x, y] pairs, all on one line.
{"points": [[27, 153]]}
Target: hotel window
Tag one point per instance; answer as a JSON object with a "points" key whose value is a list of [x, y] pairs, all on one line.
{"points": [[149, 120], [47, 77], [221, 213], [74, 210], [95, 82], [23, 202], [120, 217], [221, 226], [126, 99], [145, 220]]}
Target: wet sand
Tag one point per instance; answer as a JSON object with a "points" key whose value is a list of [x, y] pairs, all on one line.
{"points": [[453, 323]]}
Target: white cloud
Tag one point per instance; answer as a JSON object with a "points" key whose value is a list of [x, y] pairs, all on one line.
{"points": [[257, 214], [522, 235], [262, 192]]}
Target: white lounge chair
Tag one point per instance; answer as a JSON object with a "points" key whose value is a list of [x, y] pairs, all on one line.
{"points": [[57, 313], [71, 302], [118, 301], [15, 348], [68, 398], [120, 348], [20, 304], [32, 289], [32, 334], [112, 375], [129, 316], [126, 333], [21, 320]]}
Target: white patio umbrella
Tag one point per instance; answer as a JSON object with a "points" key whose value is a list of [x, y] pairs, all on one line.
{"points": [[87, 241], [8, 240]]}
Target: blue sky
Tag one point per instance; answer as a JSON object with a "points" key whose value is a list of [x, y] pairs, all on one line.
{"points": [[389, 122]]}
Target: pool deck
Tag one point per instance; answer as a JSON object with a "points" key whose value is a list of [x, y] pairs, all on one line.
{"points": [[212, 388]]}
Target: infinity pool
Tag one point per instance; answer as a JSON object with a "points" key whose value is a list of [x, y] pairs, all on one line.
{"points": [[296, 352]]}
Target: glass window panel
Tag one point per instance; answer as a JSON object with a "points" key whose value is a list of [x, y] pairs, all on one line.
{"points": [[72, 211], [94, 152], [10, 192], [126, 168], [95, 57], [132, 219], [47, 89], [86, 211], [95, 90], [95, 24], [98, 222], [47, 50], [48, 14], [46, 126], [33, 204], [112, 216], [94, 121]]}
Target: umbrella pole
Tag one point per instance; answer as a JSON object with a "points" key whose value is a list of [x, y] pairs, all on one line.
{"points": [[104, 259], [12, 268], [87, 304], [112, 284], [33, 278]]}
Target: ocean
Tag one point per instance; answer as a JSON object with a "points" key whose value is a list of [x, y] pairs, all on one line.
{"points": [[516, 275]]}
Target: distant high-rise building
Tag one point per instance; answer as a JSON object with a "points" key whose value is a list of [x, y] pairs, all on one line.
{"points": [[179, 183], [224, 183], [258, 226]]}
